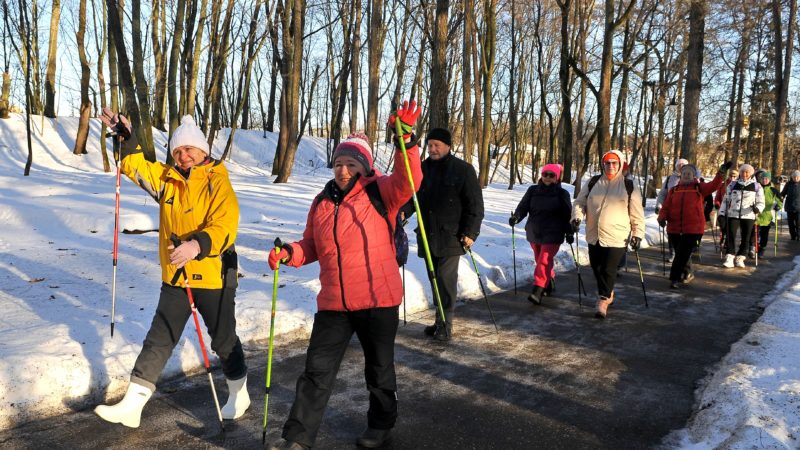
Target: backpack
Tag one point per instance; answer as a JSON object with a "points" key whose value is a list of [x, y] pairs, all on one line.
{"points": [[596, 178], [396, 232]]}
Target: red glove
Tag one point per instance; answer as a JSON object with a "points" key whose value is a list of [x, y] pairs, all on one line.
{"points": [[408, 115], [276, 257]]}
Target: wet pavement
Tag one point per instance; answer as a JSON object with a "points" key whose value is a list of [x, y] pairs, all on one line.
{"points": [[552, 377]]}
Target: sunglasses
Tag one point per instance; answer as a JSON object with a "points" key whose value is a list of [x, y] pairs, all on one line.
{"points": [[548, 175]]}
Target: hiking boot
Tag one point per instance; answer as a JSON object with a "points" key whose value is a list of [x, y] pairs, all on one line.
{"points": [[551, 287], [675, 285], [373, 438], [430, 330], [602, 306], [286, 444], [536, 295], [728, 261], [443, 333]]}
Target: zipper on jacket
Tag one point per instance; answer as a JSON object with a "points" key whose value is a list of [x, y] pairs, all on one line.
{"points": [[338, 252]]}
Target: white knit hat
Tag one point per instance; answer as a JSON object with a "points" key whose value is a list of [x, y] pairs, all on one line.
{"points": [[680, 163], [188, 134]]}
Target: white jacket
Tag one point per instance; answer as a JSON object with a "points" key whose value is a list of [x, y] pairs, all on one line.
{"points": [[740, 198]]}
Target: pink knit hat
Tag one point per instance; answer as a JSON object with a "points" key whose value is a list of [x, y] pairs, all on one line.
{"points": [[555, 168], [357, 147]]}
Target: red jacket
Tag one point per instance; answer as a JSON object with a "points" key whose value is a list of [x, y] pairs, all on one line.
{"points": [[720, 194], [353, 244], [683, 208]]}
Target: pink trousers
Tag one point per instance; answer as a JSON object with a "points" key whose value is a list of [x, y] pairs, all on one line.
{"points": [[544, 254]]}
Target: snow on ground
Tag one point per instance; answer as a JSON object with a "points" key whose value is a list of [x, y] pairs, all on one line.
{"points": [[56, 353]]}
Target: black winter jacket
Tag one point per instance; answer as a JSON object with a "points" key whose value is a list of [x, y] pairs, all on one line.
{"points": [[791, 196], [451, 203], [548, 209]]}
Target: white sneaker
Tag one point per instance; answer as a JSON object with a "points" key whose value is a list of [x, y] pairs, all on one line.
{"points": [[128, 411], [728, 261], [740, 261], [238, 399]]}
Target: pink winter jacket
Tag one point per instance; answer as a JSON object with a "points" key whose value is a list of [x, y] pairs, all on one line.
{"points": [[353, 244]]}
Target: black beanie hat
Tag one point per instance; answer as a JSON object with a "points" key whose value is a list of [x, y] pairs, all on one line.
{"points": [[440, 134]]}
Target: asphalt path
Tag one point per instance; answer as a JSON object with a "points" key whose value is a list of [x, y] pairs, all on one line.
{"points": [[552, 377]]}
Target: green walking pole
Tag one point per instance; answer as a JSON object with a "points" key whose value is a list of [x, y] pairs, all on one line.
{"points": [[278, 246], [480, 281], [428, 260]]}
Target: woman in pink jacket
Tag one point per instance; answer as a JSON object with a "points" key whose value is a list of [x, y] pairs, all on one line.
{"points": [[361, 286]]}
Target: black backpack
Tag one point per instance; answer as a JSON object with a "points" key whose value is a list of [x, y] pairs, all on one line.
{"points": [[396, 232]]}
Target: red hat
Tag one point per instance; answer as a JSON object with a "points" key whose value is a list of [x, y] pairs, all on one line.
{"points": [[357, 147]]}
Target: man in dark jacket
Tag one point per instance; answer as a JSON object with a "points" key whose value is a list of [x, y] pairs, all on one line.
{"points": [[791, 204], [451, 204]]}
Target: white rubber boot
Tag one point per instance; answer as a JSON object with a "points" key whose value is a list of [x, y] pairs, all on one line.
{"points": [[238, 399], [740, 261], [728, 261], [128, 411]]}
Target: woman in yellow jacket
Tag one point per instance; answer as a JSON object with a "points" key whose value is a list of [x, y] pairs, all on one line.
{"points": [[198, 205]]}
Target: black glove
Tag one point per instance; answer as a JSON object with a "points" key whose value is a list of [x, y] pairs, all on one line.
{"points": [[570, 238], [513, 220], [776, 207], [723, 169], [635, 243], [658, 209], [756, 210], [662, 223], [576, 225]]}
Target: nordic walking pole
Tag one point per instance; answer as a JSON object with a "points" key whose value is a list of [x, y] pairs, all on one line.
{"points": [[428, 260], [278, 246], [116, 232], [514, 254], [775, 219], [480, 281], [663, 254], [641, 277], [756, 239], [580, 280], [176, 242], [404, 296]]}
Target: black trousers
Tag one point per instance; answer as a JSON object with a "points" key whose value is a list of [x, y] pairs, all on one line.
{"points": [[217, 306], [684, 245], [722, 229], [793, 217], [604, 261], [733, 226], [446, 269], [376, 329], [763, 237]]}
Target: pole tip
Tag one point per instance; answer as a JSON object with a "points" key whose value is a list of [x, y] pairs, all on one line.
{"points": [[112, 329]]}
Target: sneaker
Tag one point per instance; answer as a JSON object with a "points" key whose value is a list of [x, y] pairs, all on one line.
{"points": [[752, 253], [443, 333], [740, 261], [688, 278], [728, 261]]}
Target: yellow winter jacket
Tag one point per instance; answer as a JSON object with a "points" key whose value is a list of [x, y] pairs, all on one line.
{"points": [[202, 207]]}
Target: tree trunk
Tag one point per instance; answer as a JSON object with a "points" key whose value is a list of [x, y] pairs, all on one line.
{"points": [[512, 105], [355, 61], [142, 90], [159, 42], [439, 116], [466, 79], [86, 105], [50, 78], [694, 76], [488, 55], [193, 63], [564, 78], [172, 71], [376, 38], [783, 72], [291, 63]]}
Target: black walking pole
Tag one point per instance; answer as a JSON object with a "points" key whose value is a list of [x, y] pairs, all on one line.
{"points": [[641, 277], [514, 254], [480, 281], [580, 280], [663, 254], [404, 296]]}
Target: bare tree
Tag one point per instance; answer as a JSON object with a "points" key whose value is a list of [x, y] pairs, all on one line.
{"points": [[377, 34], [50, 79], [694, 77], [86, 104], [783, 72], [355, 62], [488, 50], [439, 116]]}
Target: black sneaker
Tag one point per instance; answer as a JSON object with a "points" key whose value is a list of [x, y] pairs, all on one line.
{"points": [[373, 438]]}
